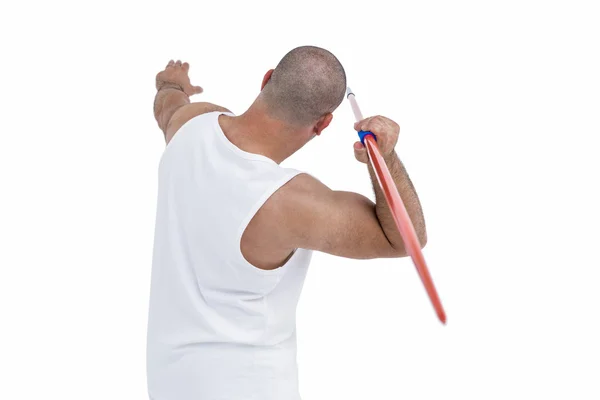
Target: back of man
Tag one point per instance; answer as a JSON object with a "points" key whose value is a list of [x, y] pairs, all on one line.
{"points": [[219, 327]]}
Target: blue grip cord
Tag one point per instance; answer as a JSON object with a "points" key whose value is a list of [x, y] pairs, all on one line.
{"points": [[362, 134]]}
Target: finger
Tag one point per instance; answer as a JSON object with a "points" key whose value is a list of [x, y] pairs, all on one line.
{"points": [[170, 64], [360, 152], [186, 66], [192, 90], [369, 124], [178, 63], [366, 124], [376, 126], [357, 124], [360, 125]]}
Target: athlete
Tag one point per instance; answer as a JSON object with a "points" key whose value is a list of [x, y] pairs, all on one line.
{"points": [[235, 231]]}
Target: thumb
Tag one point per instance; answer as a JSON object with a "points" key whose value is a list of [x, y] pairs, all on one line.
{"points": [[198, 90], [360, 152]]}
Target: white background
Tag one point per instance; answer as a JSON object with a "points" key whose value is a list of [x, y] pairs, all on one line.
{"points": [[499, 107]]}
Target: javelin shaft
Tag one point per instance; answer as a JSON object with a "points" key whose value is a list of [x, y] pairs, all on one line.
{"points": [[355, 109], [398, 211]]}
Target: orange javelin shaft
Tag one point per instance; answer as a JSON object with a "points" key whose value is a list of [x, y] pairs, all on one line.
{"points": [[398, 210]]}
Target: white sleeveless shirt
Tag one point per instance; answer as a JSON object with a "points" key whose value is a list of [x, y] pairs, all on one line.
{"points": [[218, 327]]}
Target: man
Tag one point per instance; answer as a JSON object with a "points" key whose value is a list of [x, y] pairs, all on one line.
{"points": [[235, 231]]}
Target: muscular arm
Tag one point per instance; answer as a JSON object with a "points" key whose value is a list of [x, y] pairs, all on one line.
{"points": [[340, 223], [344, 223]]}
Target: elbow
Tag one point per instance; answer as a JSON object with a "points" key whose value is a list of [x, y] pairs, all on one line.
{"points": [[400, 251], [421, 232], [423, 239]]}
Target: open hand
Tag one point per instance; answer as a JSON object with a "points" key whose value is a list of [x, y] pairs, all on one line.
{"points": [[385, 130], [176, 75]]}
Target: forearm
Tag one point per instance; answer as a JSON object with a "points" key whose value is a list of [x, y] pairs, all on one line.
{"points": [[409, 198], [168, 99]]}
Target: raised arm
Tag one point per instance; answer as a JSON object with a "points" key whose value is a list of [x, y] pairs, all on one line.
{"points": [[172, 107], [387, 132], [349, 224]]}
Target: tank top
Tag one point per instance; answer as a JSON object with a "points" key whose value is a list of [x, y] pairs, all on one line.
{"points": [[218, 327]]}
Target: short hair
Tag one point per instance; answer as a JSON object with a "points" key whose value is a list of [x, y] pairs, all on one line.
{"points": [[307, 83]]}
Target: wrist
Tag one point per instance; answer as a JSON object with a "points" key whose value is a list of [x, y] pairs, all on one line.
{"points": [[168, 85], [391, 158]]}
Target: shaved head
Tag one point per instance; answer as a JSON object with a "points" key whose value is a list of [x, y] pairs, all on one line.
{"points": [[308, 83]]}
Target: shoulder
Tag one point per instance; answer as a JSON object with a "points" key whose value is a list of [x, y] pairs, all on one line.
{"points": [[277, 219], [296, 201], [189, 111], [299, 189], [293, 195]]}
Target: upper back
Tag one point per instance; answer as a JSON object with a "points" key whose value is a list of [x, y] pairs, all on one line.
{"points": [[208, 192], [216, 189]]}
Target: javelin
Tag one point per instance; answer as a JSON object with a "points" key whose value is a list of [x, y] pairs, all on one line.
{"points": [[401, 218]]}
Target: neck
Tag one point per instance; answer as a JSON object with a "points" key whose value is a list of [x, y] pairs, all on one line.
{"points": [[255, 132]]}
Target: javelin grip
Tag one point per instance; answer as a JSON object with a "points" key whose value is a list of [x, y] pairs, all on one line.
{"points": [[363, 134]]}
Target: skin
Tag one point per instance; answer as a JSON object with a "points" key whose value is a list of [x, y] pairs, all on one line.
{"points": [[303, 213]]}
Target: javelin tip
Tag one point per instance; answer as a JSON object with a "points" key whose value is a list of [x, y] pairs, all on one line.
{"points": [[442, 316]]}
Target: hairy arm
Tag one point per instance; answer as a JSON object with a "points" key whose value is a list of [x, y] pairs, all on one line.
{"points": [[409, 197], [387, 132], [169, 98], [340, 223], [344, 223]]}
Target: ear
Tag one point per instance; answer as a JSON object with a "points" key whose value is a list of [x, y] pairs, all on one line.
{"points": [[322, 123], [266, 78]]}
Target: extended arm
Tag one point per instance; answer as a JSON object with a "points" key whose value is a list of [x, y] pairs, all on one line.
{"points": [[169, 98], [172, 107]]}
